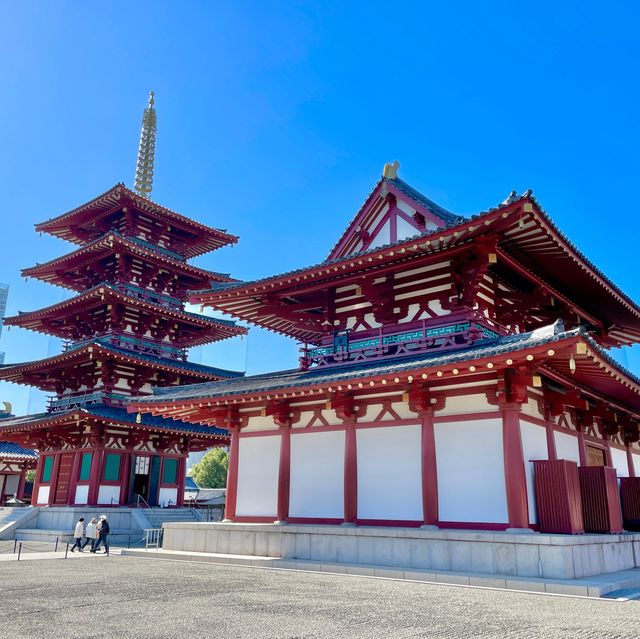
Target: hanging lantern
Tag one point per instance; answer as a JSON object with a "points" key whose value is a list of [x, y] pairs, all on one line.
{"points": [[572, 364]]}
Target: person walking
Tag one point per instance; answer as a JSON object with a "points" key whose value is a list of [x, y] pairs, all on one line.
{"points": [[78, 533], [91, 534], [103, 534]]}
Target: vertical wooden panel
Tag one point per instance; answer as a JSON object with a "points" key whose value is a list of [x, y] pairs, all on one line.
{"points": [[558, 500]]}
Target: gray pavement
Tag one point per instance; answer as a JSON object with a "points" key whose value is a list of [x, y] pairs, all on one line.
{"points": [[117, 597]]}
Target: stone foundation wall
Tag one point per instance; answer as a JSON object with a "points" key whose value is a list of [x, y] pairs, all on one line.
{"points": [[494, 553]]}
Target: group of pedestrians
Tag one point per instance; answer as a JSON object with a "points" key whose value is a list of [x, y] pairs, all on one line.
{"points": [[96, 533]]}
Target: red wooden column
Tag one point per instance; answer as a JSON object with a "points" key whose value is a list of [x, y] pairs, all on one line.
{"points": [[36, 481], [350, 474], [181, 478], [607, 452], [20, 492], [514, 470], [73, 479], [284, 474], [232, 476], [582, 448], [632, 468], [429, 470], [53, 484], [126, 477], [94, 475], [552, 453]]}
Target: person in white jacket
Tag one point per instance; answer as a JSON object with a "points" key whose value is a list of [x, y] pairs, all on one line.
{"points": [[78, 534], [91, 533]]}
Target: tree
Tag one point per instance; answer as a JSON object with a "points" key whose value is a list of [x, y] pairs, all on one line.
{"points": [[211, 470]]}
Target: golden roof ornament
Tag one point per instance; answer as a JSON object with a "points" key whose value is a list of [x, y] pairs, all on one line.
{"points": [[143, 184], [390, 171]]}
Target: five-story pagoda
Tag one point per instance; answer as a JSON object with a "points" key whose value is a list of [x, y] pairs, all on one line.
{"points": [[125, 331]]}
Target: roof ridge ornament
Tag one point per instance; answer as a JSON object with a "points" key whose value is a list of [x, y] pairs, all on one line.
{"points": [[143, 183], [390, 170]]}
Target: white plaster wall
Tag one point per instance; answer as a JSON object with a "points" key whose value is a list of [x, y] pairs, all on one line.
{"points": [[404, 229], [534, 446], [258, 460], [531, 408], [11, 484], [43, 494], [168, 496], [471, 471], [382, 237], [567, 446], [619, 459], [107, 493], [403, 411], [259, 423], [389, 473], [82, 494], [317, 475], [464, 404]]}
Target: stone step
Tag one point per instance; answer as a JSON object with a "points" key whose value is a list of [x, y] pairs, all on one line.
{"points": [[597, 586]]}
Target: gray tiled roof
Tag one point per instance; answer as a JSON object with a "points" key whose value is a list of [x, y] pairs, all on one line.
{"points": [[114, 414], [322, 375], [9, 449]]}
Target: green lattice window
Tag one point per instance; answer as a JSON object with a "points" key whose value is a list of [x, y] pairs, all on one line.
{"points": [[111, 467], [47, 466], [170, 471], [85, 466]]}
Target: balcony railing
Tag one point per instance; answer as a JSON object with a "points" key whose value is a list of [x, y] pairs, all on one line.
{"points": [[144, 346], [148, 296], [67, 402], [423, 339]]}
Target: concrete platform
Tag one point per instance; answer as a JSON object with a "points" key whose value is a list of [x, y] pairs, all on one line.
{"points": [[501, 554], [585, 587]]}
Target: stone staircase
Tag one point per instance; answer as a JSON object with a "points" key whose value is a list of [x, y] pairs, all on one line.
{"points": [[159, 516], [9, 515]]}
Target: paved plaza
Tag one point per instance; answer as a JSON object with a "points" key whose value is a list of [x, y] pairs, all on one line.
{"points": [[124, 597]]}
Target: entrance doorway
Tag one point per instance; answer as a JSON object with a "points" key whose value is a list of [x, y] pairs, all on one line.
{"points": [[141, 477]]}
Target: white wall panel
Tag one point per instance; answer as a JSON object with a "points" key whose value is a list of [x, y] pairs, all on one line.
{"points": [[43, 494], [471, 471], [82, 494], [389, 473], [258, 459], [534, 446], [636, 464], [317, 475], [619, 459], [11, 485], [567, 446], [168, 497], [108, 493]]}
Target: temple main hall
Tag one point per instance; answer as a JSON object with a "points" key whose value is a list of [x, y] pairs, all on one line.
{"points": [[441, 358]]}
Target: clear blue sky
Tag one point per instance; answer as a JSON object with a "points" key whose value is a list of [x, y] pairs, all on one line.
{"points": [[274, 121]]}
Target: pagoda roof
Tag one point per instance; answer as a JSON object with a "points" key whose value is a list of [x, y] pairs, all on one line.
{"points": [[100, 348], [596, 374], [26, 423], [527, 241], [11, 451], [67, 225], [105, 293], [114, 242]]}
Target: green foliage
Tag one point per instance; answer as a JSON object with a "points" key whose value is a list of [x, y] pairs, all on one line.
{"points": [[30, 475], [211, 470]]}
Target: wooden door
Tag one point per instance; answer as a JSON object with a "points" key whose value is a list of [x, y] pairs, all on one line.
{"points": [[64, 478]]}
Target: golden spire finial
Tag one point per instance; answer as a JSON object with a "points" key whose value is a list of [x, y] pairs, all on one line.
{"points": [[143, 184]]}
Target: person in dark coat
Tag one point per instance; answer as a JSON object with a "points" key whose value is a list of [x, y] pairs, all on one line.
{"points": [[103, 534]]}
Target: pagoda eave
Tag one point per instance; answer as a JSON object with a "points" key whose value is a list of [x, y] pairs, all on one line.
{"points": [[76, 225]]}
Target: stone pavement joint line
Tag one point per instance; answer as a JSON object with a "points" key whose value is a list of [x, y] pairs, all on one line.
{"points": [[596, 586]]}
